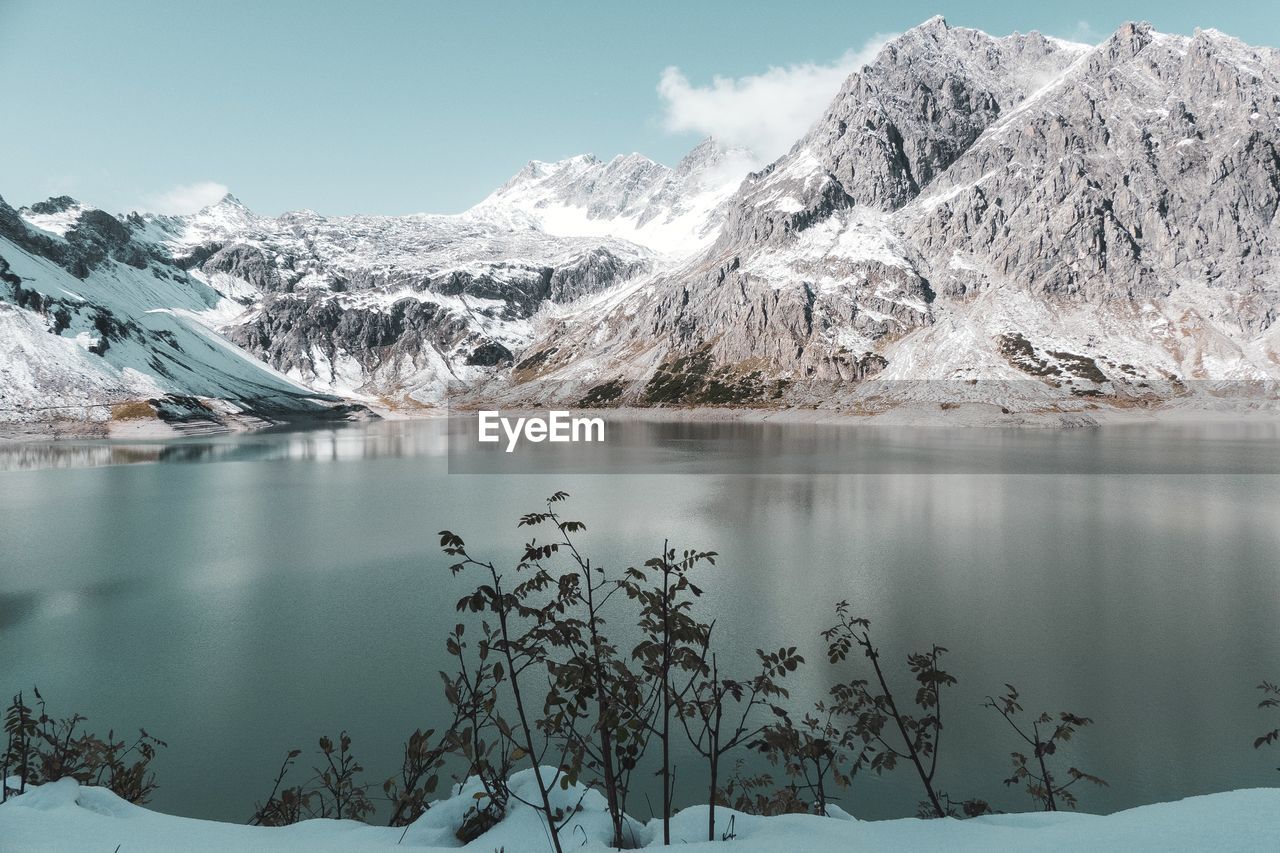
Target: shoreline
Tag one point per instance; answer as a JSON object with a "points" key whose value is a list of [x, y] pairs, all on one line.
{"points": [[922, 415], [156, 428]]}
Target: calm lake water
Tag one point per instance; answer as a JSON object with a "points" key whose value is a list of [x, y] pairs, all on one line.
{"points": [[239, 596]]}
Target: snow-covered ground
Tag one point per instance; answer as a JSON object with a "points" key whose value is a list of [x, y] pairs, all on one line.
{"points": [[65, 816]]}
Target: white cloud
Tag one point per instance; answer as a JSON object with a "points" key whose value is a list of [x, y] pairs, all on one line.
{"points": [[186, 198], [1085, 33], [766, 112]]}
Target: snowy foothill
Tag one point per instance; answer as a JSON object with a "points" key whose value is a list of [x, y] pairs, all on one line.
{"points": [[66, 817]]}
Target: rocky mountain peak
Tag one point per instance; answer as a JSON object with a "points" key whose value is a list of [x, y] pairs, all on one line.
{"points": [[708, 152], [635, 158], [537, 170], [226, 219], [1128, 39], [56, 215], [631, 197], [1017, 206], [896, 125], [54, 204], [229, 200], [711, 158]]}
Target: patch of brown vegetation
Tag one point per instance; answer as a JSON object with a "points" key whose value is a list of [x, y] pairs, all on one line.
{"points": [[134, 410]]}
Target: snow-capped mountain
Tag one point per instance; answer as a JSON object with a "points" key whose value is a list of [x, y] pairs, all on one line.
{"points": [[1092, 220], [970, 207], [393, 309], [674, 212], [92, 317], [378, 309]]}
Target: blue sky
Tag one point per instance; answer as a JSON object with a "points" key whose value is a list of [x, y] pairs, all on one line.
{"points": [[400, 107]]}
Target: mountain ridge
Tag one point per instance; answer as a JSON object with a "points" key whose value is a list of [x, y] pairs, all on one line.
{"points": [[1016, 209], [840, 256]]}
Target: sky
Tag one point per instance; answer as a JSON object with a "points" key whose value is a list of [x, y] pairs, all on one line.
{"points": [[397, 107]]}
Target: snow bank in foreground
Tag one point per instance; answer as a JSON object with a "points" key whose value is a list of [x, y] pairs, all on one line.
{"points": [[65, 816]]}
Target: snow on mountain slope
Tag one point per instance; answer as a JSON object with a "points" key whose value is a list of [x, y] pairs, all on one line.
{"points": [[56, 215], [1085, 221], [971, 207], [393, 309], [390, 308], [92, 319], [374, 308], [671, 211], [43, 376]]}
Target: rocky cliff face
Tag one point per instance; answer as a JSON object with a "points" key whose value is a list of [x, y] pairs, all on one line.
{"points": [[391, 308], [394, 309], [896, 126], [1151, 164], [967, 200]]}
